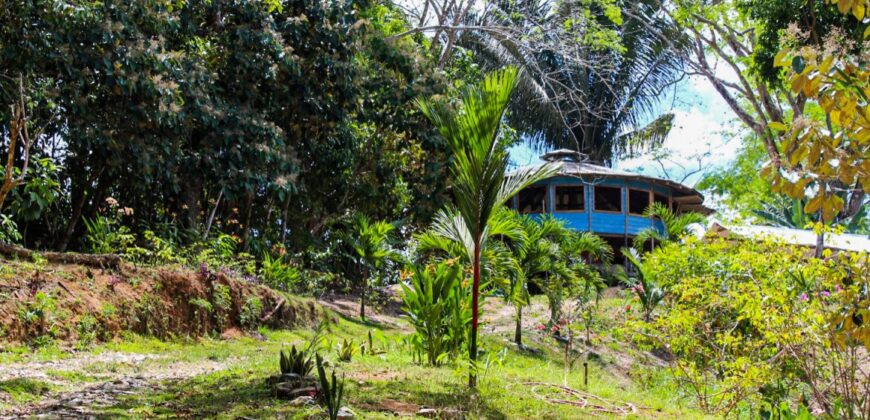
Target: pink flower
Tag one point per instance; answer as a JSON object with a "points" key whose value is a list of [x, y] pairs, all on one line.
{"points": [[826, 293], [540, 327], [803, 297]]}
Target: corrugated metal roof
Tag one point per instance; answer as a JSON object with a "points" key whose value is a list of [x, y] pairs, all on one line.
{"points": [[799, 237]]}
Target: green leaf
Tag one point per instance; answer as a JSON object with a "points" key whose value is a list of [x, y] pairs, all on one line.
{"points": [[798, 64]]}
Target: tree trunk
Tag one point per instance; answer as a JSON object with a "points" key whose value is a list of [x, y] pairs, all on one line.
{"points": [[286, 214], [518, 333], [362, 304], [78, 208], [820, 244], [246, 222], [191, 189], [475, 298]]}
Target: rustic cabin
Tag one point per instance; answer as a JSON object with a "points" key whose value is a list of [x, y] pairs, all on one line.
{"points": [[589, 196]]}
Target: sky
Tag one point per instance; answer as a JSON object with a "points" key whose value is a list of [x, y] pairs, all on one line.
{"points": [[703, 126]]}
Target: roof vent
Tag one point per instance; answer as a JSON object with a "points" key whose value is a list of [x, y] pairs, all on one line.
{"points": [[565, 155]]}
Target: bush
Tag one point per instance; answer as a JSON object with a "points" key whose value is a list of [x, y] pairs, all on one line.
{"points": [[760, 326], [439, 309], [106, 234], [278, 275], [37, 317], [8, 230], [249, 317], [295, 361]]}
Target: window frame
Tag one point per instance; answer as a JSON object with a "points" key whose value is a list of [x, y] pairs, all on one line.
{"points": [[595, 200], [667, 201], [546, 199], [556, 193], [648, 202]]}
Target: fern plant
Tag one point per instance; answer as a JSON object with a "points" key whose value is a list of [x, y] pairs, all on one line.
{"points": [[331, 392], [295, 361]]}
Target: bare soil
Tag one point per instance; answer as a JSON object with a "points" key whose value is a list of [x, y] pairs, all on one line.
{"points": [[162, 302]]}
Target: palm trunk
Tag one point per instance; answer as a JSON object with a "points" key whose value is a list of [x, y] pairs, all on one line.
{"points": [[518, 333], [475, 297], [362, 305]]}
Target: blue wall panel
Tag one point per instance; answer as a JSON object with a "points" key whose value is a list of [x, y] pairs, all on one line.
{"points": [[603, 223], [574, 220]]}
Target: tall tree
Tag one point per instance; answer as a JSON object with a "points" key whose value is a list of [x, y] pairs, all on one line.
{"points": [[478, 172], [812, 150], [600, 96]]}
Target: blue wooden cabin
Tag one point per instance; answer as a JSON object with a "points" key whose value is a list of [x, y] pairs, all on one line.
{"points": [[608, 202]]}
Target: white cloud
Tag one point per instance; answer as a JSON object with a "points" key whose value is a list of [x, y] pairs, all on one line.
{"points": [[703, 126]]}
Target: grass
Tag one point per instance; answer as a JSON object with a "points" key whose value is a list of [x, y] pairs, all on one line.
{"points": [[24, 390], [375, 384]]}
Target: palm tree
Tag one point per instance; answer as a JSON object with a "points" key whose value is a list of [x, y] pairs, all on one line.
{"points": [[599, 101], [641, 282], [533, 254], [479, 169], [370, 243], [675, 226]]}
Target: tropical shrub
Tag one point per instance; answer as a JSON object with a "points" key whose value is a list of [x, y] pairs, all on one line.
{"points": [[275, 273], [763, 327], [675, 225], [8, 230], [295, 361], [249, 316], [437, 306], [38, 318], [331, 391], [105, 233], [641, 283], [345, 349], [370, 242]]}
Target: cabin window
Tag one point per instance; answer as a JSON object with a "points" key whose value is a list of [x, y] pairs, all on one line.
{"points": [[570, 198], [661, 199], [638, 201], [608, 199], [533, 200]]}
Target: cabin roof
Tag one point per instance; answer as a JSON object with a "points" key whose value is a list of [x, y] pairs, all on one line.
{"points": [[577, 165], [799, 237]]}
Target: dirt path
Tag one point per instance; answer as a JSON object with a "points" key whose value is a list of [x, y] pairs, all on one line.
{"points": [[116, 374]]}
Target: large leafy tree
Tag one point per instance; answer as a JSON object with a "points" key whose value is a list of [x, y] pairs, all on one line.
{"points": [[479, 177], [737, 186], [808, 115], [599, 96], [268, 120]]}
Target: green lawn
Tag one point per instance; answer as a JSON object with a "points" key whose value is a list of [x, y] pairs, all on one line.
{"points": [[375, 385]]}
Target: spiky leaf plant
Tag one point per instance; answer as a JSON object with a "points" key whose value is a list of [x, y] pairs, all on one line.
{"points": [[331, 392]]}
